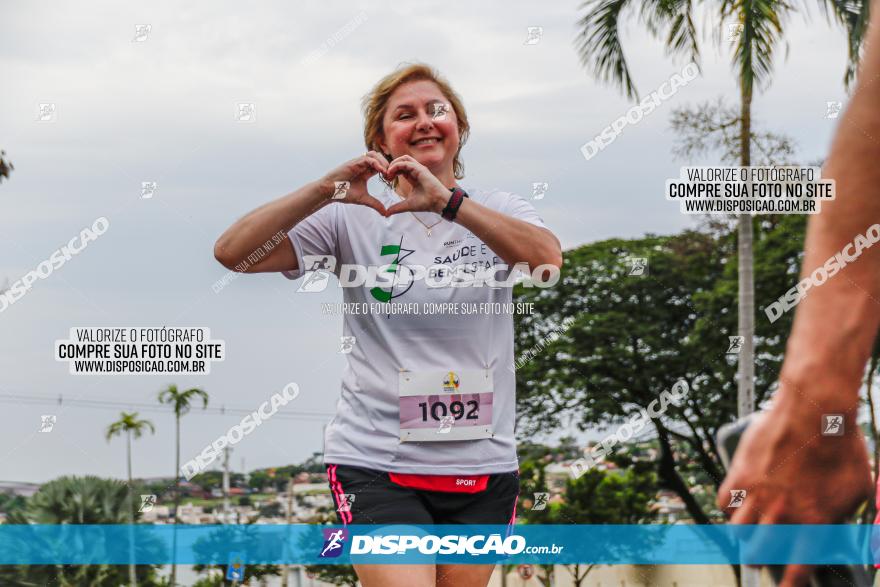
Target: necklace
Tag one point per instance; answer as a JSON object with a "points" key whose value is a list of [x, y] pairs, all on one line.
{"points": [[428, 227], [425, 225]]}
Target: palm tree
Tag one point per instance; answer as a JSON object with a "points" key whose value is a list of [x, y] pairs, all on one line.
{"points": [[760, 21], [75, 500], [72, 500], [758, 26], [181, 401], [129, 424]]}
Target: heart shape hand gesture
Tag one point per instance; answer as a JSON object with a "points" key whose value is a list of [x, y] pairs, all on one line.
{"points": [[348, 184]]}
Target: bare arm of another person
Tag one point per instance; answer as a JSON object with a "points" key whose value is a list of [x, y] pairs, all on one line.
{"points": [[255, 231], [791, 472]]}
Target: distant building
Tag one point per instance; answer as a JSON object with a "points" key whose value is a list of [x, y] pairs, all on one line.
{"points": [[310, 488], [194, 514], [556, 474], [158, 514], [19, 488], [193, 490], [669, 507]]}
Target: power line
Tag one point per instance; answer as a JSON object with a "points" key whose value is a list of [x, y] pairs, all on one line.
{"points": [[222, 410]]}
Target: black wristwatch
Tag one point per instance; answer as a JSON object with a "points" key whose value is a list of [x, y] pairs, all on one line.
{"points": [[455, 200]]}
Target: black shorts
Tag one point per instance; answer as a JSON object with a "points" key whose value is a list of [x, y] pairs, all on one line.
{"points": [[373, 498]]}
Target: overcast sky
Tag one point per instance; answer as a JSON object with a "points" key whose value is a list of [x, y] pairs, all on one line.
{"points": [[163, 109]]}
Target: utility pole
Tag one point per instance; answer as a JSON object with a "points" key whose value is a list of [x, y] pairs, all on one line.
{"points": [[289, 519], [226, 511]]}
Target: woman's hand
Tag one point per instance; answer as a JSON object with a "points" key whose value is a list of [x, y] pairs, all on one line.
{"points": [[428, 194], [356, 172]]}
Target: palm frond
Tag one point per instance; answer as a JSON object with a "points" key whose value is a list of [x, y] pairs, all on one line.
{"points": [[677, 17], [854, 15], [129, 422], [182, 401], [598, 44], [753, 53]]}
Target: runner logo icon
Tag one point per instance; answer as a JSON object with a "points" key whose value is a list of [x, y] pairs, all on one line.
{"points": [[334, 542]]}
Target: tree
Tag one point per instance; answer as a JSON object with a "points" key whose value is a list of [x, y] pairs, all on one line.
{"points": [[758, 29], [313, 464], [870, 512], [10, 502], [217, 545], [273, 509], [712, 128], [181, 402], [130, 425], [259, 479], [631, 339], [634, 336], [74, 500], [623, 496], [600, 497], [209, 480], [5, 166], [342, 575]]}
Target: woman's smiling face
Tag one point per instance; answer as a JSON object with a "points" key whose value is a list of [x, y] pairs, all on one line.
{"points": [[420, 122]]}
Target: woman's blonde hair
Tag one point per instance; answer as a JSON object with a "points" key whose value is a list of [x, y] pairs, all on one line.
{"points": [[375, 103]]}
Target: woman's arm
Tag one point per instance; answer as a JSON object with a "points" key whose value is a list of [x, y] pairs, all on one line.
{"points": [[255, 230], [512, 239], [262, 228]]}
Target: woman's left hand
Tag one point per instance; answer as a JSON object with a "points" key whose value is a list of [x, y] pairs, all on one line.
{"points": [[428, 194]]}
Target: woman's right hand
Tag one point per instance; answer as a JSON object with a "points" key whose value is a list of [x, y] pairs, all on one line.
{"points": [[356, 172]]}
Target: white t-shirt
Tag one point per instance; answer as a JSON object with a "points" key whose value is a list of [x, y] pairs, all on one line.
{"points": [[366, 429]]}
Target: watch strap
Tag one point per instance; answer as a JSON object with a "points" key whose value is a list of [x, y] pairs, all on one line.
{"points": [[455, 200]]}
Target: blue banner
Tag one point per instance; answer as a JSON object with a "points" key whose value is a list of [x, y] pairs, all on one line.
{"points": [[407, 544]]}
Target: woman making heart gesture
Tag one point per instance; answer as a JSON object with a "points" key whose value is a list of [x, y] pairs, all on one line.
{"points": [[424, 427]]}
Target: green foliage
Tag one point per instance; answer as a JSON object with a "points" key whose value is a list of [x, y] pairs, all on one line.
{"points": [[313, 464], [218, 543], [600, 47], [620, 496], [163, 488], [626, 342], [600, 497], [271, 510], [209, 480], [181, 401], [277, 476], [342, 575], [215, 580], [74, 500], [9, 502], [129, 422], [635, 336], [259, 479]]}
